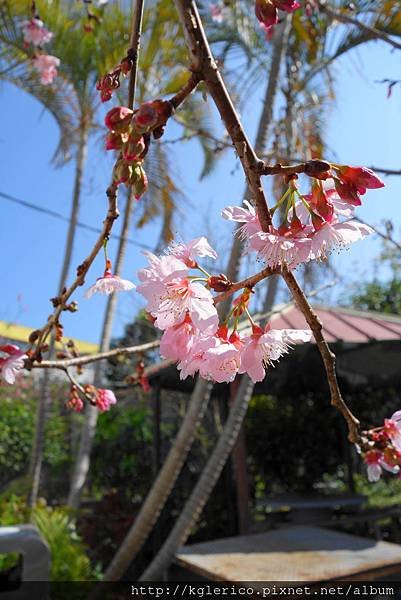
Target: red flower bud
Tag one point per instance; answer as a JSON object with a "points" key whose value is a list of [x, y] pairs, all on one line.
{"points": [[266, 12], [348, 192], [118, 119], [219, 283], [134, 148], [115, 141], [361, 177]]}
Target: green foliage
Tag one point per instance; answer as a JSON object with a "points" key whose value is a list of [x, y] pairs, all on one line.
{"points": [[17, 421], [122, 449], [69, 561], [379, 296]]}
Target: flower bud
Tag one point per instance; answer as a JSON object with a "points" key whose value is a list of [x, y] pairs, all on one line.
{"points": [[219, 283], [134, 148], [138, 180], [266, 12], [115, 141], [360, 177], [348, 192], [316, 168], [121, 172], [118, 119], [151, 115]]}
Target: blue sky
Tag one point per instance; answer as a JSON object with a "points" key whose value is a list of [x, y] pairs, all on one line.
{"points": [[364, 128]]}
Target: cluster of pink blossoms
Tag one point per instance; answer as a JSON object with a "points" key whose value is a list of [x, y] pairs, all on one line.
{"points": [[129, 133], [12, 363], [314, 224], [385, 452], [182, 306], [266, 11], [35, 33], [101, 398]]}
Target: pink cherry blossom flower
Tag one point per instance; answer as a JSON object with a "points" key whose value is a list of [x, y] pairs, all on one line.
{"points": [[337, 235], [187, 252], [177, 341], [392, 427], [276, 249], [108, 284], [262, 348], [35, 32], [247, 216], [375, 464], [153, 279], [12, 364], [182, 296], [105, 399], [215, 357], [46, 65]]}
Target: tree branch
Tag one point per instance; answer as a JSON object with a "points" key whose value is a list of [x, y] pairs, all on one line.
{"points": [[201, 53], [348, 20]]}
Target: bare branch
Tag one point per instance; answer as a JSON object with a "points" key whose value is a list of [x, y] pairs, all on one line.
{"points": [[349, 20]]}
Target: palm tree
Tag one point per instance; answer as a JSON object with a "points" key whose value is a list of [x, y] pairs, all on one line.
{"points": [[73, 101]]}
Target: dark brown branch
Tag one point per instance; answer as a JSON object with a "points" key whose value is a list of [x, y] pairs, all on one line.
{"points": [[133, 52], [112, 214], [328, 357], [310, 168], [204, 63], [249, 282], [201, 54], [186, 90], [386, 171]]}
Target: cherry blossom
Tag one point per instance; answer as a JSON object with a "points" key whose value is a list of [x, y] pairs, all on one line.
{"points": [[35, 32], [247, 216], [337, 235], [217, 357], [187, 252], [105, 399], [11, 365], [276, 249], [263, 347], [108, 284], [182, 296], [46, 65], [374, 459], [177, 341], [266, 13], [154, 278], [392, 427]]}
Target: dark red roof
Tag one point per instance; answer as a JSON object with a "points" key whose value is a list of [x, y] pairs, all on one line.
{"points": [[342, 324]]}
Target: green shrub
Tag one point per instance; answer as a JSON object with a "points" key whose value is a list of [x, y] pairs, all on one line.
{"points": [[69, 561]]}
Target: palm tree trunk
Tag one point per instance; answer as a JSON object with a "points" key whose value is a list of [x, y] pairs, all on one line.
{"points": [[205, 485], [35, 466], [82, 463], [162, 486], [228, 438]]}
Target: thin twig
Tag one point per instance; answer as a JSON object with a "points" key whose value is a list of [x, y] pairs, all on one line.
{"points": [[328, 357], [112, 214], [349, 20], [86, 360], [385, 236]]}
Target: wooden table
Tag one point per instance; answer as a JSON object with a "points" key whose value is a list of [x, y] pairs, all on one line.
{"points": [[308, 554]]}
